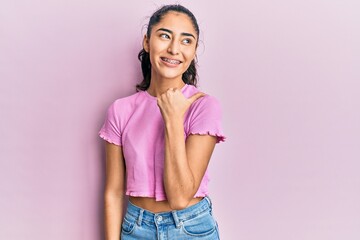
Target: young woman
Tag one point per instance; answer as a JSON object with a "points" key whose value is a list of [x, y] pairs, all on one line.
{"points": [[159, 141]]}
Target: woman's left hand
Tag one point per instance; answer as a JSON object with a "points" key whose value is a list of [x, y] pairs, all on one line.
{"points": [[173, 104]]}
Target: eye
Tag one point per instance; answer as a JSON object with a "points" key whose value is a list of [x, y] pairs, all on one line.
{"points": [[187, 41], [164, 35]]}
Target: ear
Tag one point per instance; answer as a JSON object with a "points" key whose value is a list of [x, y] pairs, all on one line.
{"points": [[195, 54], [146, 44], [195, 58]]}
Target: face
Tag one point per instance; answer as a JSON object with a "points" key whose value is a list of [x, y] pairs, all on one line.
{"points": [[172, 46]]}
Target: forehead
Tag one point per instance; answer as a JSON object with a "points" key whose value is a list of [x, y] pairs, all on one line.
{"points": [[177, 22]]}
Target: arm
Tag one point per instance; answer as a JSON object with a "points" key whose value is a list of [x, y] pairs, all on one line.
{"points": [[114, 191], [185, 163]]}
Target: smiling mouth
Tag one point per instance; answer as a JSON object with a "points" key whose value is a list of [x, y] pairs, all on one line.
{"points": [[172, 61]]}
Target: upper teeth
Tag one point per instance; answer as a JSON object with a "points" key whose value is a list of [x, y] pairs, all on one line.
{"points": [[171, 61]]}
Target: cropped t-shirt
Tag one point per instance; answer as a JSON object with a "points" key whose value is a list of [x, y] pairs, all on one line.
{"points": [[135, 123]]}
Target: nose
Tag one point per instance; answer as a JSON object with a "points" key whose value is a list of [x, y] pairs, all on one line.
{"points": [[173, 48]]}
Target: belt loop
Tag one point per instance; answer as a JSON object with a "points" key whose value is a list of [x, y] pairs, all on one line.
{"points": [[176, 219], [209, 201], [140, 217]]}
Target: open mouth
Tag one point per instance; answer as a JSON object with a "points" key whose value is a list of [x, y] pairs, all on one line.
{"points": [[171, 61]]}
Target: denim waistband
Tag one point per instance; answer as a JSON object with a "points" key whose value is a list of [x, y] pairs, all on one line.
{"points": [[175, 217]]}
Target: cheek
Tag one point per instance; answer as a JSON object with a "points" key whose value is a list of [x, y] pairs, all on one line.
{"points": [[158, 46], [189, 51], [189, 54], [154, 52]]}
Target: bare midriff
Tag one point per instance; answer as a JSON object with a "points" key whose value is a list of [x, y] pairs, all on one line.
{"points": [[157, 206]]}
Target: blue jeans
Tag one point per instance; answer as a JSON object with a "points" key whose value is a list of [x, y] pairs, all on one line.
{"points": [[194, 222]]}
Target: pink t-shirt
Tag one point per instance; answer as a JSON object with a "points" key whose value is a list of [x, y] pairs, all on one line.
{"points": [[135, 123]]}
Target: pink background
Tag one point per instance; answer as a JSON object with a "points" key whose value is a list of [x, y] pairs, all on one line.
{"points": [[286, 73]]}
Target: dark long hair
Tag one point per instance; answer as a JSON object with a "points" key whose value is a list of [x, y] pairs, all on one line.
{"points": [[190, 75]]}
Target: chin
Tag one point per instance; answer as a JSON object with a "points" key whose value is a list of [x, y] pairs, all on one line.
{"points": [[171, 76]]}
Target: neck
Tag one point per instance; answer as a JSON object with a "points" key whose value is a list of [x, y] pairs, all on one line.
{"points": [[160, 85]]}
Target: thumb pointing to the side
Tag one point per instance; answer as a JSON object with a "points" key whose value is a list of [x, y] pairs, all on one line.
{"points": [[196, 96]]}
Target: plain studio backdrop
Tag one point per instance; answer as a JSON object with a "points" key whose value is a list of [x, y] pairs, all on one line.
{"points": [[285, 72]]}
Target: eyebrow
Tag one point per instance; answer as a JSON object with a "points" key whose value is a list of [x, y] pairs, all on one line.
{"points": [[169, 31]]}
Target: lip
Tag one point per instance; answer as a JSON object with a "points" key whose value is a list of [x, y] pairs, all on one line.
{"points": [[170, 64]]}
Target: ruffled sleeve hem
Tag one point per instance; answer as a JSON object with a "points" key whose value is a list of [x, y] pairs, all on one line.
{"points": [[106, 138], [220, 137]]}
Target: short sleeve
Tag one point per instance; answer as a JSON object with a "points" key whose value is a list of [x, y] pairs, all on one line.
{"points": [[206, 118], [110, 130]]}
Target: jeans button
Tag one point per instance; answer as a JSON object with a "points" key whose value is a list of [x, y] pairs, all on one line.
{"points": [[159, 218]]}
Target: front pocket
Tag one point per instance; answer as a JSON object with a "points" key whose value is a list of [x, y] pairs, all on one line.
{"points": [[128, 225], [202, 225]]}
